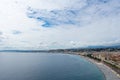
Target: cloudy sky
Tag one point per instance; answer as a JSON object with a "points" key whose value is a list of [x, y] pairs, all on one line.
{"points": [[53, 24]]}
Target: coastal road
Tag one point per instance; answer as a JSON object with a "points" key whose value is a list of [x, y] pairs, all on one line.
{"points": [[108, 72]]}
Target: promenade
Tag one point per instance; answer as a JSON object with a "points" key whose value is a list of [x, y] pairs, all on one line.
{"points": [[108, 72]]}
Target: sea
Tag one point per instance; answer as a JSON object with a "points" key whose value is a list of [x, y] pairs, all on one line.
{"points": [[47, 66]]}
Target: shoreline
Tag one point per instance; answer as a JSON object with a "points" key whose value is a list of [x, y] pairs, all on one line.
{"points": [[107, 71]]}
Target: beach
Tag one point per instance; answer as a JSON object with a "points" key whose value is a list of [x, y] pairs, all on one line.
{"points": [[108, 72]]}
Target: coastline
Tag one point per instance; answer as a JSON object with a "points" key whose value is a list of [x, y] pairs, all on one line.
{"points": [[107, 71]]}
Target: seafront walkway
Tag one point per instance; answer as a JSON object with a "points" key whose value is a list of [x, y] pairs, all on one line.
{"points": [[108, 72]]}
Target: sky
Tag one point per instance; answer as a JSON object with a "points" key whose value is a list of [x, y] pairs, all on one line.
{"points": [[58, 24]]}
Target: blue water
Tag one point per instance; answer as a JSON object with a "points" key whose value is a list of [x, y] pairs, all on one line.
{"points": [[46, 66]]}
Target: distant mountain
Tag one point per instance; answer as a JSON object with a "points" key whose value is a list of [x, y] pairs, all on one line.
{"points": [[114, 46], [89, 48]]}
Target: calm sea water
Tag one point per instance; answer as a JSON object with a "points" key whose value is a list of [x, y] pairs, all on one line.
{"points": [[46, 66]]}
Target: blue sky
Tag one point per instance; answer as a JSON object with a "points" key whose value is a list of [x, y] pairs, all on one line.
{"points": [[52, 24]]}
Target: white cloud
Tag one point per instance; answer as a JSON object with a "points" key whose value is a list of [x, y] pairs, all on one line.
{"points": [[97, 24]]}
